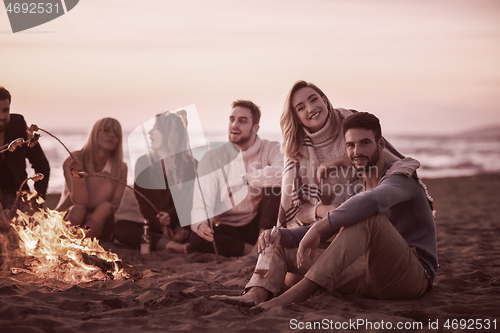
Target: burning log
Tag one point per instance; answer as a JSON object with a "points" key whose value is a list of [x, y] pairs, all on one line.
{"points": [[107, 267]]}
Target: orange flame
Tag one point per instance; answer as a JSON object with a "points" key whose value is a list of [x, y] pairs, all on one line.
{"points": [[55, 250]]}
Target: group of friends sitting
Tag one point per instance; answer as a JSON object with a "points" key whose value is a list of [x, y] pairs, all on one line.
{"points": [[352, 214]]}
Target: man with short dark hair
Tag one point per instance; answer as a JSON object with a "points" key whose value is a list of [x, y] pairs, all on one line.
{"points": [[13, 164], [254, 109], [237, 212], [386, 242]]}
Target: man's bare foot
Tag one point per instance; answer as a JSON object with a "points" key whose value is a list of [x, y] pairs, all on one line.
{"points": [[271, 304], [297, 293], [254, 296]]}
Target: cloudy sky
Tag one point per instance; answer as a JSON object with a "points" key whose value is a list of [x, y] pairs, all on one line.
{"points": [[421, 66]]}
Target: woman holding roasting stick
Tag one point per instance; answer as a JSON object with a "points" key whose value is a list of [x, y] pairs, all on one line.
{"points": [[92, 201], [160, 176]]}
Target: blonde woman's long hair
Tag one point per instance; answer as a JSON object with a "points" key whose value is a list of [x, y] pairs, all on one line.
{"points": [[89, 151], [291, 127]]}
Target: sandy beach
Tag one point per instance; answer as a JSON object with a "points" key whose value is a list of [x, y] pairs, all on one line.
{"points": [[171, 293]]}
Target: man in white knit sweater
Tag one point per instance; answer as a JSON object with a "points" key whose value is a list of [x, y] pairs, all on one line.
{"points": [[238, 189]]}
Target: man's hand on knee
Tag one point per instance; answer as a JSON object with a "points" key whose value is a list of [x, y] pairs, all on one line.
{"points": [[267, 238]]}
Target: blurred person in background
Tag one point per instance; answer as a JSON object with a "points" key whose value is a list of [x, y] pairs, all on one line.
{"points": [[13, 164]]}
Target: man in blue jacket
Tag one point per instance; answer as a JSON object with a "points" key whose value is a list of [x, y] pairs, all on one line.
{"points": [[386, 242], [13, 164]]}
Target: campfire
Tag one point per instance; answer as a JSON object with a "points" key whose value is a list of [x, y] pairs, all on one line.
{"points": [[41, 243]]}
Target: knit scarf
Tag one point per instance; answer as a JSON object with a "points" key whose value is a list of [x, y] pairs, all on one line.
{"points": [[300, 191]]}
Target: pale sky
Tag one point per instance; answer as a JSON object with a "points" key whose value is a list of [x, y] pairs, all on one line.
{"points": [[420, 66]]}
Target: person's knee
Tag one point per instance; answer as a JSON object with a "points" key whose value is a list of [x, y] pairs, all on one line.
{"points": [[76, 214], [372, 225], [79, 208], [377, 221], [105, 205], [105, 208]]}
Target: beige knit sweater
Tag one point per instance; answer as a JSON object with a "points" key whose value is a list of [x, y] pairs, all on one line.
{"points": [[223, 168]]}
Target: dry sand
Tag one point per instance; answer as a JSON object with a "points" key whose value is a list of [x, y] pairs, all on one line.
{"points": [[172, 294]]}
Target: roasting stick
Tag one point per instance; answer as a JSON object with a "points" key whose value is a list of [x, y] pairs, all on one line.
{"points": [[211, 224], [36, 128], [83, 174], [36, 177]]}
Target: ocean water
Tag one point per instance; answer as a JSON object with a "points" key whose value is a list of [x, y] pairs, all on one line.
{"points": [[451, 156], [440, 156]]}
